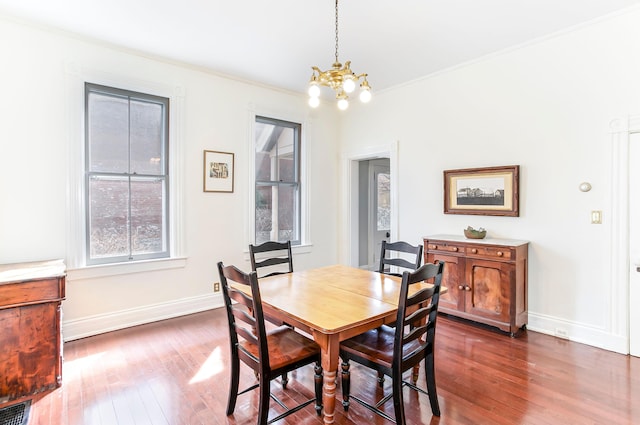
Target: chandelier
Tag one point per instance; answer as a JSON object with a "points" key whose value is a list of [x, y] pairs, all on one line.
{"points": [[340, 78]]}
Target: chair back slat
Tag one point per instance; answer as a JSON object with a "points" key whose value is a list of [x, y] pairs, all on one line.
{"points": [[399, 262], [417, 316], [240, 297], [408, 256], [420, 296], [414, 333], [272, 262], [278, 253]]}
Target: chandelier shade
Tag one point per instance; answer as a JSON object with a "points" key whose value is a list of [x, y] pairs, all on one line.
{"points": [[340, 78]]}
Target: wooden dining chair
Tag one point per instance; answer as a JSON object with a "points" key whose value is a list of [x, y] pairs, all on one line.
{"points": [[267, 255], [394, 350], [270, 254], [269, 354], [408, 257], [399, 254]]}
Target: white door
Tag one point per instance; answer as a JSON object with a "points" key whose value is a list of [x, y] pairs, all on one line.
{"points": [[634, 244], [380, 208]]}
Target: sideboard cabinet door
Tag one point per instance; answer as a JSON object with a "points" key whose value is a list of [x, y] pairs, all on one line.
{"points": [[488, 289]]}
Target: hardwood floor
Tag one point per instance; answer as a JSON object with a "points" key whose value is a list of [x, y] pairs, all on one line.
{"points": [[175, 372]]}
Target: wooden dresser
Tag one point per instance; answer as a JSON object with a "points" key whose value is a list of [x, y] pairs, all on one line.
{"points": [[486, 279], [31, 295]]}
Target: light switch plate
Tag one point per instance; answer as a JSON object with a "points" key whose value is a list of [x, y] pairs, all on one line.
{"points": [[596, 217]]}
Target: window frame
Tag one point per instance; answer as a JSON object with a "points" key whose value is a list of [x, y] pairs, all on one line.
{"points": [[164, 175], [76, 75], [295, 183], [306, 244]]}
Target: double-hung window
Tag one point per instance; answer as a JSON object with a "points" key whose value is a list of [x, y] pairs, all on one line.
{"points": [[126, 175], [277, 181]]}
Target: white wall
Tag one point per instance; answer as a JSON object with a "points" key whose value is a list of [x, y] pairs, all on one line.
{"points": [[547, 107], [41, 74]]}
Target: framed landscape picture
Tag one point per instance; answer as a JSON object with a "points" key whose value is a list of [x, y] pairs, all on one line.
{"points": [[482, 191], [218, 171]]}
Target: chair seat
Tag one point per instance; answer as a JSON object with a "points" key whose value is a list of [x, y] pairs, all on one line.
{"points": [[376, 346], [286, 347]]}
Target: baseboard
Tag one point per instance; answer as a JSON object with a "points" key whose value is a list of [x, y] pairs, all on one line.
{"points": [[578, 332], [101, 323]]}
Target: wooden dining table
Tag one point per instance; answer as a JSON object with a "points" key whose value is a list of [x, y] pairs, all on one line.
{"points": [[332, 304]]}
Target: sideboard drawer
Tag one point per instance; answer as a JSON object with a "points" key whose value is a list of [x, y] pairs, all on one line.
{"points": [[492, 252], [30, 292], [445, 247]]}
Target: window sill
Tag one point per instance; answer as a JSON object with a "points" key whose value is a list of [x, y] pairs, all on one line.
{"points": [[105, 270], [301, 249]]}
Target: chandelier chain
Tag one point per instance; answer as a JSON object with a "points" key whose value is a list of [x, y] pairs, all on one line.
{"points": [[336, 31]]}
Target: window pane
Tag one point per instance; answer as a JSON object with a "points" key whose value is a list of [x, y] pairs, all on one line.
{"points": [[108, 217], [384, 201], [108, 132], [147, 216], [266, 152], [264, 211], [286, 150], [263, 167], [287, 213], [276, 152], [147, 131]]}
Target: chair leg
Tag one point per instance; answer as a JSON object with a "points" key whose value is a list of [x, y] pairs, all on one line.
{"points": [[430, 373], [415, 373], [285, 380], [346, 384], [380, 379], [317, 378], [233, 384], [263, 403], [398, 400]]}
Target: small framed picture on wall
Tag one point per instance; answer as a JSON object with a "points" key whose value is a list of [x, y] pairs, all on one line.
{"points": [[218, 171]]}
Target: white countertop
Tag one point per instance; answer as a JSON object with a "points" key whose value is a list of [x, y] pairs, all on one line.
{"points": [[485, 241], [33, 270]]}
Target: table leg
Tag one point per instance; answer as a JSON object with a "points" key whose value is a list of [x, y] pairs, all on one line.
{"points": [[330, 345]]}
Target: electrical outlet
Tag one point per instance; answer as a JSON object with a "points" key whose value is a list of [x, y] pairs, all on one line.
{"points": [[216, 287], [561, 333]]}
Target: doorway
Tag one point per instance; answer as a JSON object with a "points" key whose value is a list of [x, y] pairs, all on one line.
{"points": [[625, 237], [374, 213], [356, 249], [634, 243]]}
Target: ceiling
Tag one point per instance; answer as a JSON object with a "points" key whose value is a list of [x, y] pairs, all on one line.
{"points": [[276, 42]]}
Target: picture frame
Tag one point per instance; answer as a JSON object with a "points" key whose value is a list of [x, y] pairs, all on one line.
{"points": [[482, 191], [218, 172]]}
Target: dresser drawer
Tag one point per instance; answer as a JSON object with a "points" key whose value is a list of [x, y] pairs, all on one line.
{"points": [[442, 246], [489, 252], [30, 292]]}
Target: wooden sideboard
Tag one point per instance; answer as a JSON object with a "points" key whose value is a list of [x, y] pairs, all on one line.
{"points": [[31, 296], [486, 279]]}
